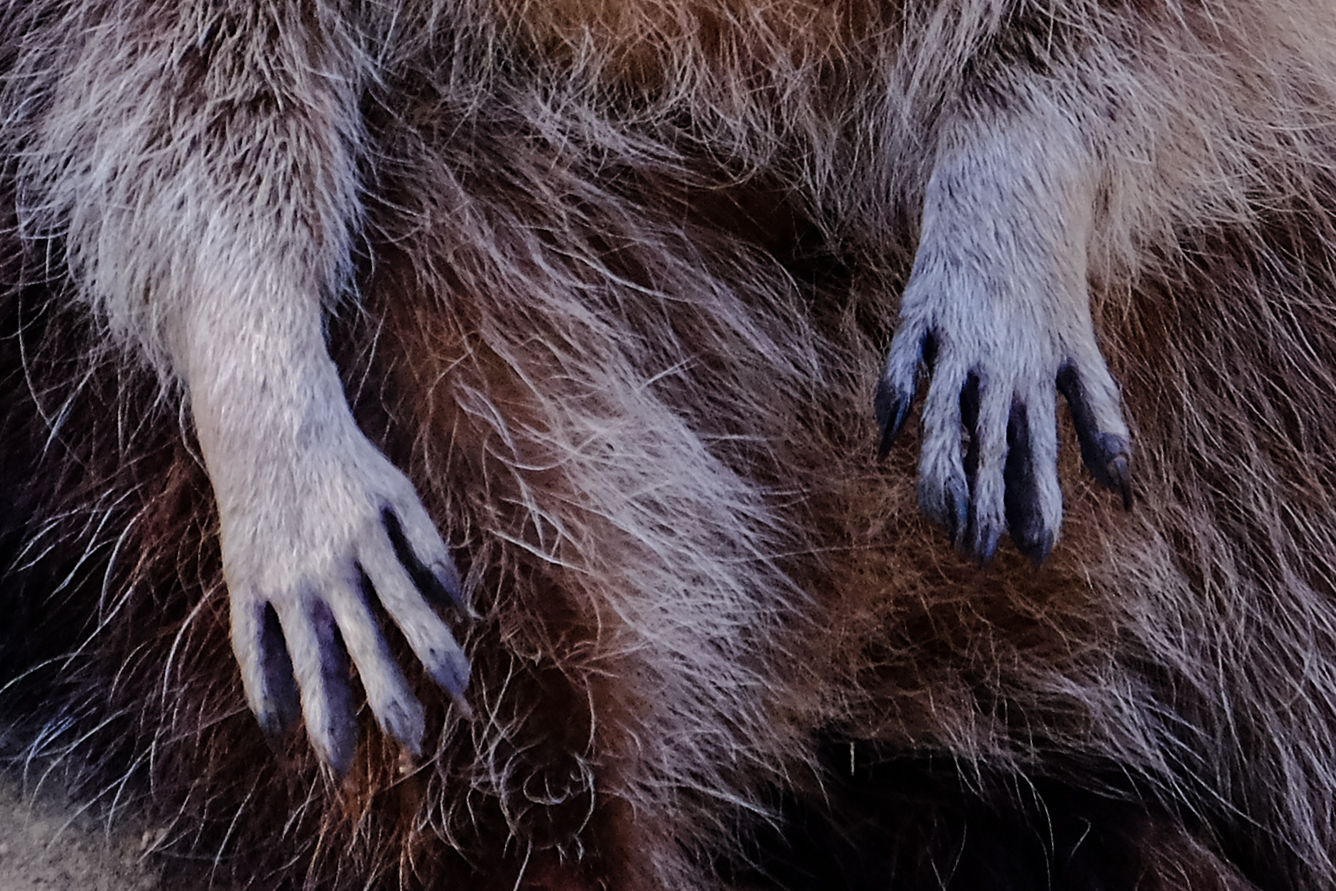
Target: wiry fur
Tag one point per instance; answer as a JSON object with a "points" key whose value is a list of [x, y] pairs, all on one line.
{"points": [[622, 274]]}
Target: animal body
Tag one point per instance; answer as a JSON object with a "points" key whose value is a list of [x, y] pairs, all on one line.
{"points": [[611, 284]]}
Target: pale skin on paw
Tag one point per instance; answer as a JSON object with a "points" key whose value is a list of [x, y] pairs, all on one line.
{"points": [[314, 523], [997, 308]]}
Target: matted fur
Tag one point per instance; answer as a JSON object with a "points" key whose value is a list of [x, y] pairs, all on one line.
{"points": [[619, 294]]}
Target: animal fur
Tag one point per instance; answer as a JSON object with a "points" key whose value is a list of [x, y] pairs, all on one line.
{"points": [[611, 284]]}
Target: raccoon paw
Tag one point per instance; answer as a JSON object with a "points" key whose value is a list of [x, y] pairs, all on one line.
{"points": [[989, 452], [303, 557]]}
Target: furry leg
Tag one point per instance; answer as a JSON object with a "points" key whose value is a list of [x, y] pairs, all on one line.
{"points": [[199, 163], [997, 305]]}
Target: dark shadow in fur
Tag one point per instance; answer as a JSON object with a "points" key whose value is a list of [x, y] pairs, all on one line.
{"points": [[886, 820]]}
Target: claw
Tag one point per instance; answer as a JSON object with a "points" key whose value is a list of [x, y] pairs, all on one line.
{"points": [[451, 670], [1106, 455], [282, 706], [1025, 517], [945, 481], [895, 390], [1038, 549], [1115, 464], [958, 521], [1120, 472], [947, 507], [960, 501], [447, 576], [986, 547], [409, 590], [892, 409], [326, 691]]}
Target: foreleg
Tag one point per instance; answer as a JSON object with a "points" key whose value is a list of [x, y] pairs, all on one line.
{"points": [[997, 306], [199, 161]]}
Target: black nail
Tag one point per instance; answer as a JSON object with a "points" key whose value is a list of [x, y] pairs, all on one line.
{"points": [[1106, 455], [336, 687], [280, 684], [1020, 477], [892, 408]]}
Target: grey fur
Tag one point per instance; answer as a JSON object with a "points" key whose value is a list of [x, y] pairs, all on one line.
{"points": [[199, 163]]}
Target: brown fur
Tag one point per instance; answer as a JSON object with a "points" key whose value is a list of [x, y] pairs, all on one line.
{"points": [[627, 274]]}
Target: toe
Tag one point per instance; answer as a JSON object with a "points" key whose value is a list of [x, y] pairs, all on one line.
{"points": [[1033, 499], [1106, 445], [320, 663], [429, 637], [396, 709], [266, 669], [895, 390], [943, 489], [987, 404]]}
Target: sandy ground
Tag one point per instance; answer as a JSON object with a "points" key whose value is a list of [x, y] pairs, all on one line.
{"points": [[47, 846]]}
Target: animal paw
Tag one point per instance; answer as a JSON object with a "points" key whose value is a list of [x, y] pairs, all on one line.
{"points": [[311, 541], [989, 450]]}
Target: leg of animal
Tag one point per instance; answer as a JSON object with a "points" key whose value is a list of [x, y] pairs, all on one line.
{"points": [[997, 306], [199, 163]]}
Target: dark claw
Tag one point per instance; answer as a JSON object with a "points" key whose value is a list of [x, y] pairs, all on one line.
{"points": [[1106, 455], [950, 511], [892, 409], [1025, 520], [451, 671], [892, 402], [1042, 548], [280, 685], [334, 686], [986, 546], [1117, 473], [957, 522], [439, 583]]}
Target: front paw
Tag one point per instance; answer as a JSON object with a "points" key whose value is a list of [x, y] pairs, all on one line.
{"points": [[310, 543], [989, 450]]}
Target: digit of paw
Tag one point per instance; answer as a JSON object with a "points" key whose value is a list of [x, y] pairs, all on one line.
{"points": [[989, 452], [306, 553]]}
